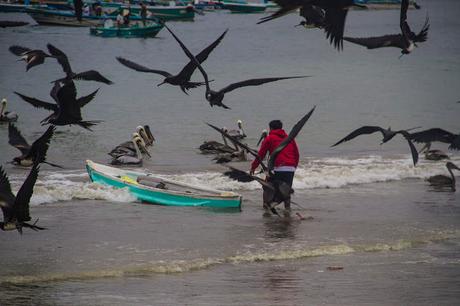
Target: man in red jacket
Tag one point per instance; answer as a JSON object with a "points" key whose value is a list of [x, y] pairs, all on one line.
{"points": [[287, 160]]}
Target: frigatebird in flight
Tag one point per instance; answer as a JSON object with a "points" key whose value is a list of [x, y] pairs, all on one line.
{"points": [[439, 135], [388, 134], [406, 41], [31, 57], [63, 60], [182, 79], [216, 97], [334, 20], [30, 152]]}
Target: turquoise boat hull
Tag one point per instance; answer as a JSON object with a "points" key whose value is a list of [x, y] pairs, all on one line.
{"points": [[188, 196], [137, 30]]}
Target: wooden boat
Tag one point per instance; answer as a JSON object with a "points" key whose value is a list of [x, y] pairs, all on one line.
{"points": [[137, 29], [244, 7], [151, 189]]}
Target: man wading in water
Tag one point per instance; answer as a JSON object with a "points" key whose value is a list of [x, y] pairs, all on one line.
{"points": [[287, 160]]}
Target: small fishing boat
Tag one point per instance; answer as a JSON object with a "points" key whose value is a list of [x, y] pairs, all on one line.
{"points": [[244, 7], [149, 188], [138, 29], [165, 13]]}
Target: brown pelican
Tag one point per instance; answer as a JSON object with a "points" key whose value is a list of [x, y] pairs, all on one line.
{"points": [[7, 116], [238, 133], [145, 134], [67, 111], [15, 209], [215, 147], [432, 154], [182, 79], [262, 136], [406, 41], [239, 155], [90, 75], [128, 147], [273, 191], [29, 152], [443, 180], [216, 97], [388, 134], [439, 135], [128, 158], [31, 57], [334, 18]]}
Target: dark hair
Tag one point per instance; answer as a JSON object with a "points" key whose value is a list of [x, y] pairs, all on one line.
{"points": [[275, 125]]}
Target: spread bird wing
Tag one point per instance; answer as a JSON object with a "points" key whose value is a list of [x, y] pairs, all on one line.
{"points": [[286, 6], [61, 58], [188, 70], [17, 140], [431, 135], [82, 101], [413, 150], [405, 29], [394, 40], [21, 204], [40, 146], [292, 134], [255, 82], [242, 176], [38, 103], [191, 57], [141, 68], [423, 34], [334, 25], [6, 195], [92, 75], [360, 131], [18, 50]]}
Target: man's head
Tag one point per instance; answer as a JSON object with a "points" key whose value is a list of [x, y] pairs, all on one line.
{"points": [[275, 125]]}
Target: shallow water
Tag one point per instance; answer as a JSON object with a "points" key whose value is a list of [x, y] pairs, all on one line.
{"points": [[396, 238]]}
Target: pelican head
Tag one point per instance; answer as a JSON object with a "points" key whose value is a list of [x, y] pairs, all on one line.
{"points": [[2, 109], [149, 133], [143, 134], [262, 136], [141, 144], [451, 165], [240, 124], [137, 136]]}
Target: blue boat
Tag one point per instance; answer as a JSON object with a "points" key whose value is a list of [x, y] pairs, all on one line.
{"points": [[152, 189]]}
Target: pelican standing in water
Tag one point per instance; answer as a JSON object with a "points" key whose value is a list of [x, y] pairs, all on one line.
{"points": [[443, 180], [7, 116], [128, 159], [433, 154], [129, 148], [238, 133]]}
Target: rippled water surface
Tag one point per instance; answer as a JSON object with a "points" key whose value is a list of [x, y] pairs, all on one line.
{"points": [[378, 233]]}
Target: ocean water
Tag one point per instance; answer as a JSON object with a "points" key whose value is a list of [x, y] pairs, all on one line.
{"points": [[377, 232]]}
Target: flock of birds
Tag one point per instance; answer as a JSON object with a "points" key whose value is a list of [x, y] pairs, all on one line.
{"points": [[326, 14]]}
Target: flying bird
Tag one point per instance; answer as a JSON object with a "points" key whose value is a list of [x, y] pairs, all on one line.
{"points": [[15, 209], [31, 57], [67, 110], [314, 16], [182, 79], [216, 97], [443, 180], [30, 152], [437, 135], [388, 134], [335, 13], [63, 60], [406, 41]]}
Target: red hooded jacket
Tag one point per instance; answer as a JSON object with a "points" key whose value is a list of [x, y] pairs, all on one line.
{"points": [[287, 157]]}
